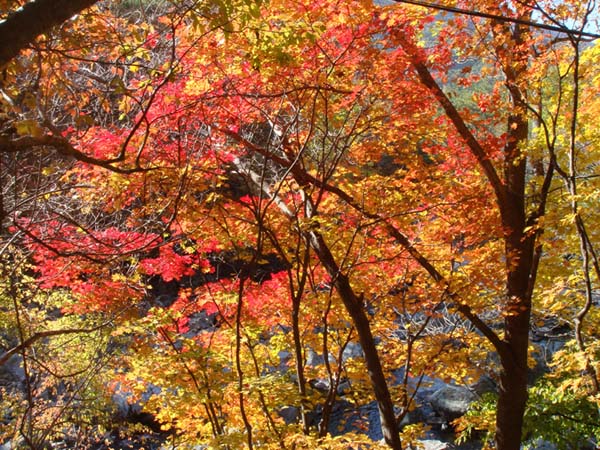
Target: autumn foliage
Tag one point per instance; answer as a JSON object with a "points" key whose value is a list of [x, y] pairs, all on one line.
{"points": [[208, 207]]}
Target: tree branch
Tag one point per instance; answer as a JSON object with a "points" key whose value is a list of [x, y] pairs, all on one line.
{"points": [[305, 178], [62, 146], [473, 13], [44, 334], [461, 127]]}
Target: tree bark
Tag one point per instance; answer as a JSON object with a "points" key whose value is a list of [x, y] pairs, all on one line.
{"points": [[36, 17], [519, 248], [512, 396], [354, 305]]}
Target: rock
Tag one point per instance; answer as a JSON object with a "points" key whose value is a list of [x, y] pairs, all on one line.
{"points": [[290, 414], [411, 417], [346, 417], [434, 444], [199, 322], [549, 335], [115, 440], [540, 444], [545, 349], [132, 411], [451, 402], [319, 384], [12, 373], [284, 358], [313, 358], [484, 385], [344, 387], [322, 385], [352, 351]]}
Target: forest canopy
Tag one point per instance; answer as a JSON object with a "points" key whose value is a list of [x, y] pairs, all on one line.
{"points": [[275, 224]]}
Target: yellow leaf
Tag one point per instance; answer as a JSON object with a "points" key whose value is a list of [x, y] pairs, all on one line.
{"points": [[29, 127]]}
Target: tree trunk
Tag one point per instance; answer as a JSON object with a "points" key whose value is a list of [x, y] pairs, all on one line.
{"points": [[512, 397], [299, 357], [520, 268], [25, 24], [354, 306], [519, 249]]}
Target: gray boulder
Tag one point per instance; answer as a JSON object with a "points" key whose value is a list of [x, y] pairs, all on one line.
{"points": [[451, 402], [434, 444], [290, 414], [352, 351], [12, 373]]}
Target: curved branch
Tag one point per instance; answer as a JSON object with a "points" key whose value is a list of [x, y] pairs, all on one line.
{"points": [[65, 148]]}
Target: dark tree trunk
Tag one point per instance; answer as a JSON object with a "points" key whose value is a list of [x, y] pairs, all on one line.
{"points": [[24, 25], [354, 306], [520, 267], [299, 356], [519, 249], [521, 264], [512, 397]]}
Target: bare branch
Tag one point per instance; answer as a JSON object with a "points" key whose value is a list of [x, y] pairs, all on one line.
{"points": [[473, 13]]}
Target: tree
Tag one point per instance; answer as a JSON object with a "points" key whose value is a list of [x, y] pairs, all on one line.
{"points": [[311, 168], [520, 219]]}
